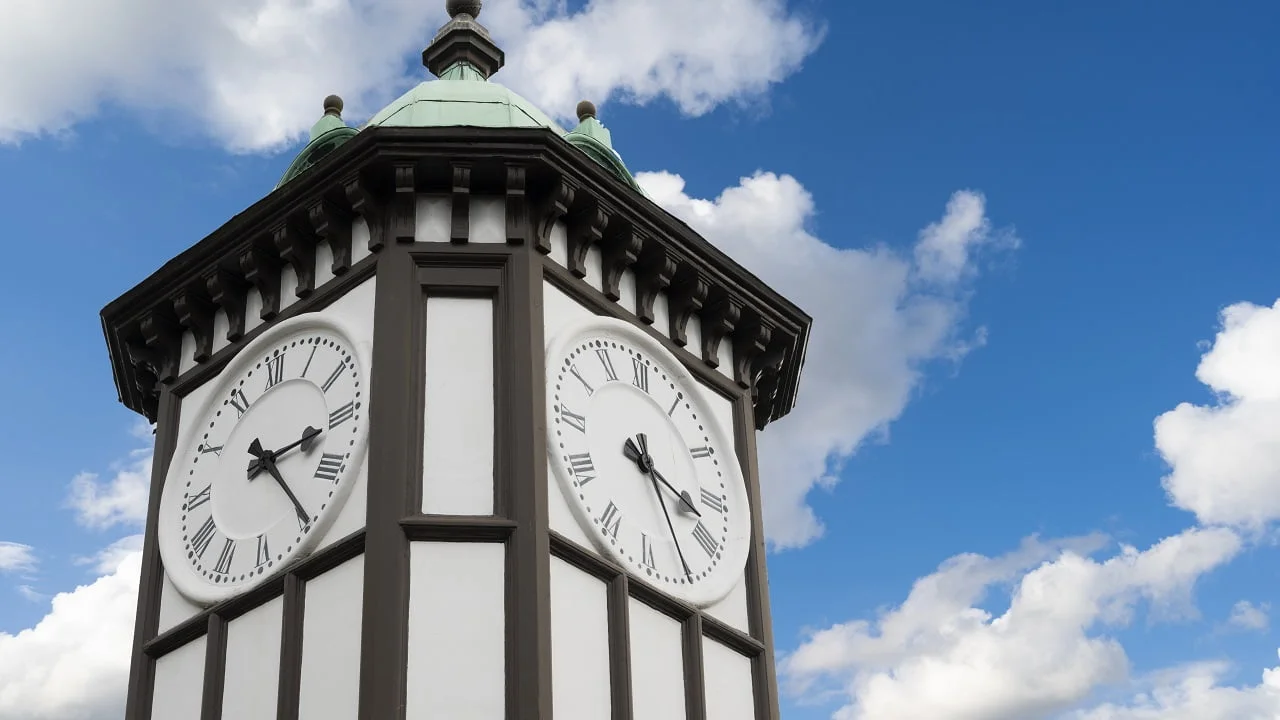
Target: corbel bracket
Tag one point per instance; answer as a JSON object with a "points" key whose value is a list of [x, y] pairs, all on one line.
{"points": [[195, 311], [619, 250], [719, 318], [687, 294], [586, 228], [517, 206], [654, 271], [229, 290], [332, 224], [297, 246], [262, 268], [554, 206], [366, 204], [460, 206]]}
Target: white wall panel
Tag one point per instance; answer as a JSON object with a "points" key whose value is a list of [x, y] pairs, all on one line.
{"points": [[594, 267], [627, 291], [488, 220], [220, 327], [179, 683], [693, 334], [359, 240], [324, 264], [457, 631], [580, 687], [661, 314], [186, 356], [331, 643], [726, 358], [252, 309], [560, 243], [252, 676], [432, 223], [657, 665], [733, 608], [458, 444], [288, 286], [728, 682], [174, 608]]}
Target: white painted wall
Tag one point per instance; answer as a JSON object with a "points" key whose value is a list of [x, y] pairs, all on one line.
{"points": [[359, 240], [331, 643], [488, 220], [657, 665], [560, 243], [728, 683], [580, 686], [457, 631], [432, 218], [288, 286], [324, 264], [733, 608], [458, 442], [252, 676], [179, 683], [174, 608], [252, 309]]}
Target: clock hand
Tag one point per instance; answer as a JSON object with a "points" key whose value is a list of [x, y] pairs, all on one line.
{"points": [[641, 457], [256, 450], [271, 468], [671, 527]]}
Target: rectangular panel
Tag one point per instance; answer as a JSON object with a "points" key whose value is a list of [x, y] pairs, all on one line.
{"points": [[331, 643], [457, 631], [580, 688], [174, 608], [179, 684], [252, 674], [457, 453], [657, 665], [730, 690], [488, 220], [432, 218], [733, 608]]}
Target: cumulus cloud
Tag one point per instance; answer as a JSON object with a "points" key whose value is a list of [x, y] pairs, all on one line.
{"points": [[1247, 616], [866, 355], [940, 655], [74, 664], [120, 500], [110, 557], [251, 73], [1194, 692], [1225, 457], [16, 558]]}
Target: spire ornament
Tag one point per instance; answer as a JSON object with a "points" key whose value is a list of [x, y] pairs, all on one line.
{"points": [[463, 40]]}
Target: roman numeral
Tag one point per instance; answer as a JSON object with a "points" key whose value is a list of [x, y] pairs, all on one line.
{"points": [[573, 370], [330, 466], [206, 449], [200, 541], [702, 452], [676, 404], [641, 374], [712, 500], [264, 552], [200, 498], [705, 540], [239, 401], [310, 357], [609, 373], [333, 377], [646, 553], [573, 420], [583, 468], [611, 520], [275, 370], [224, 558], [342, 414]]}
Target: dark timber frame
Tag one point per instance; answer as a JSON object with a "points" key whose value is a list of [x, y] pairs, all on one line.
{"points": [[376, 177]]}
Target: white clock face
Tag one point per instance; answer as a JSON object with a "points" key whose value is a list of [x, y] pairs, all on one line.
{"points": [[643, 463], [268, 463]]}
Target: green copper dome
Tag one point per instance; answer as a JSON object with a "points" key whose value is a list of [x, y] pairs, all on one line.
{"points": [[462, 97]]}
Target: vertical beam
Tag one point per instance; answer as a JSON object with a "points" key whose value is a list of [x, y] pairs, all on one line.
{"points": [[529, 549], [290, 683], [215, 668], [142, 668], [695, 694], [394, 422], [759, 617], [620, 647]]}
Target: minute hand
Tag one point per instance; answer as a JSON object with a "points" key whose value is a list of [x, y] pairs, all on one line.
{"points": [[641, 458]]}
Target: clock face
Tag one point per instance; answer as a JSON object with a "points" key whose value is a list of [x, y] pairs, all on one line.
{"points": [[643, 463], [266, 466]]}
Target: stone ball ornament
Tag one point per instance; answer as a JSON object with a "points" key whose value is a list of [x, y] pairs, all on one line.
{"points": [[463, 7]]}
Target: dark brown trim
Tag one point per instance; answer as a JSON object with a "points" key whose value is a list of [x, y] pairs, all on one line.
{"points": [[215, 669], [620, 648], [394, 377], [142, 666], [288, 692], [759, 616], [594, 300], [582, 558], [695, 694], [320, 561], [528, 598], [458, 528], [731, 637]]}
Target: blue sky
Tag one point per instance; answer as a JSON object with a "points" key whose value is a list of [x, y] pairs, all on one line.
{"points": [[1117, 162]]}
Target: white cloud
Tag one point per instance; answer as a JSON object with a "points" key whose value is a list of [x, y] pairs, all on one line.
{"points": [[110, 557], [74, 664], [1225, 457], [16, 557], [867, 350], [252, 73], [30, 594], [1194, 692], [122, 500], [1247, 616], [940, 655]]}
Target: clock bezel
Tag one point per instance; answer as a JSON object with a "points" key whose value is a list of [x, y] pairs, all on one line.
{"points": [[731, 568], [184, 578]]}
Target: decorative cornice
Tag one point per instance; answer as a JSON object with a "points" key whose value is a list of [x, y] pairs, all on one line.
{"points": [[377, 176]]}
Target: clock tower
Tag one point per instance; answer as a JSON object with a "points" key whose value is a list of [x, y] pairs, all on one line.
{"points": [[455, 423]]}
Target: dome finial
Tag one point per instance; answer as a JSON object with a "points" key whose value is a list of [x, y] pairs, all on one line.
{"points": [[333, 106], [458, 7], [586, 109]]}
